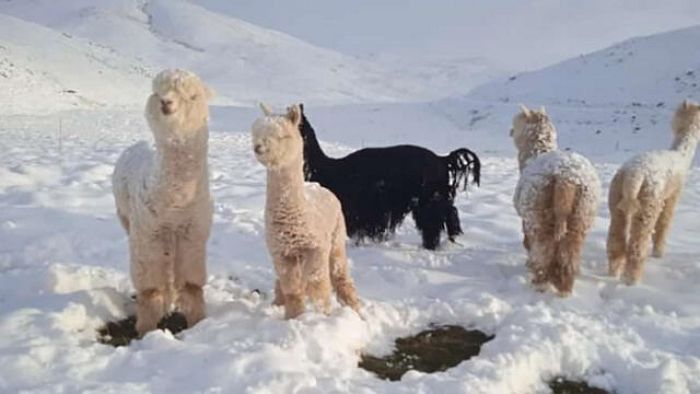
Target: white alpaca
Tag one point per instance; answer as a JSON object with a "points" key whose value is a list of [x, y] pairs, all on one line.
{"points": [[643, 197], [304, 224], [164, 204], [556, 197]]}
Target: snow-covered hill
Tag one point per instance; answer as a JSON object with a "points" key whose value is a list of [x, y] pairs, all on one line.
{"points": [[42, 69], [606, 104], [244, 63], [661, 68], [472, 40]]}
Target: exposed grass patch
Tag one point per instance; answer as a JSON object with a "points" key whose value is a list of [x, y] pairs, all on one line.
{"points": [[434, 350], [561, 385], [122, 332]]}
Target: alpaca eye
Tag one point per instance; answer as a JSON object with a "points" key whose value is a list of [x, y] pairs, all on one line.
{"points": [[194, 97]]}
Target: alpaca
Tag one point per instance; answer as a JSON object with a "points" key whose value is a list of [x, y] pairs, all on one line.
{"points": [[556, 197], [164, 204], [378, 187], [304, 225], [643, 196]]}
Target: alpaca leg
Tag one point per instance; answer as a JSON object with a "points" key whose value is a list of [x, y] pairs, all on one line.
{"points": [[540, 258], [279, 296], [319, 292], [617, 242], [454, 227], [663, 224], [430, 219], [641, 228], [150, 308], [124, 220], [190, 277], [563, 271], [340, 275], [317, 278], [290, 274], [149, 271], [526, 240]]}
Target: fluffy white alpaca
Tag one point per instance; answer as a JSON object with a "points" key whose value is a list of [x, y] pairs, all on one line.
{"points": [[163, 201], [643, 197], [304, 223], [556, 197]]}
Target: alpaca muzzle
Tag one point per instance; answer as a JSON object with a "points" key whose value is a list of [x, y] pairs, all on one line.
{"points": [[166, 106]]}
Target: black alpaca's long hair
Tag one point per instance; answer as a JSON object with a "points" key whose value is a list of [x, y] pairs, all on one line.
{"points": [[378, 187]]}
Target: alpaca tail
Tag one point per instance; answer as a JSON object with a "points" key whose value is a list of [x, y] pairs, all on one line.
{"points": [[460, 163], [631, 185], [564, 201]]}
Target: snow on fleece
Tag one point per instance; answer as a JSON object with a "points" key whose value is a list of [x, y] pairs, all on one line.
{"points": [[539, 170]]}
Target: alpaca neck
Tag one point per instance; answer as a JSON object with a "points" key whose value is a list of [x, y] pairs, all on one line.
{"points": [[180, 171], [285, 189], [537, 148], [312, 149], [685, 145]]}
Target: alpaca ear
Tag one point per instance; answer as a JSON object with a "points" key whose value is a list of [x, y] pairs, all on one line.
{"points": [[301, 108], [265, 109], [209, 93], [525, 111], [294, 114], [542, 111]]}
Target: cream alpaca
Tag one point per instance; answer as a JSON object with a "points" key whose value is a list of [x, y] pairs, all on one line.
{"points": [[164, 204], [643, 197], [556, 197], [304, 223]]}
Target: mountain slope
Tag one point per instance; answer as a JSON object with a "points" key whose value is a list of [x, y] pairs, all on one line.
{"points": [[43, 70], [648, 70], [609, 104], [243, 62]]}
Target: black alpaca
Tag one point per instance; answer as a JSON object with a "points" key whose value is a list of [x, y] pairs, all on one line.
{"points": [[378, 187]]}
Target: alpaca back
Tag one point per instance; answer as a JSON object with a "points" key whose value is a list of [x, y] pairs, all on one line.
{"points": [[542, 173], [131, 173], [656, 174]]}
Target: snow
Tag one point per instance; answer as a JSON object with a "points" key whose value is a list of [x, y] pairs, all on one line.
{"points": [[63, 255]]}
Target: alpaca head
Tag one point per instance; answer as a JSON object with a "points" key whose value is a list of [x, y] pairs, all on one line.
{"points": [[686, 121], [277, 142], [179, 101], [532, 129]]}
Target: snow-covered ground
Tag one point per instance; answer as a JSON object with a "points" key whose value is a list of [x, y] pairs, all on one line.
{"points": [[63, 255]]}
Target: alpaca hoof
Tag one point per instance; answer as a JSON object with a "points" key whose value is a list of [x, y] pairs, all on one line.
{"points": [[278, 301], [292, 313], [630, 280], [540, 287], [293, 307], [144, 326], [193, 318]]}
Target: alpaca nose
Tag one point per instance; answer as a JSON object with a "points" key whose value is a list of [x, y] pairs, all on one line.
{"points": [[166, 106]]}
